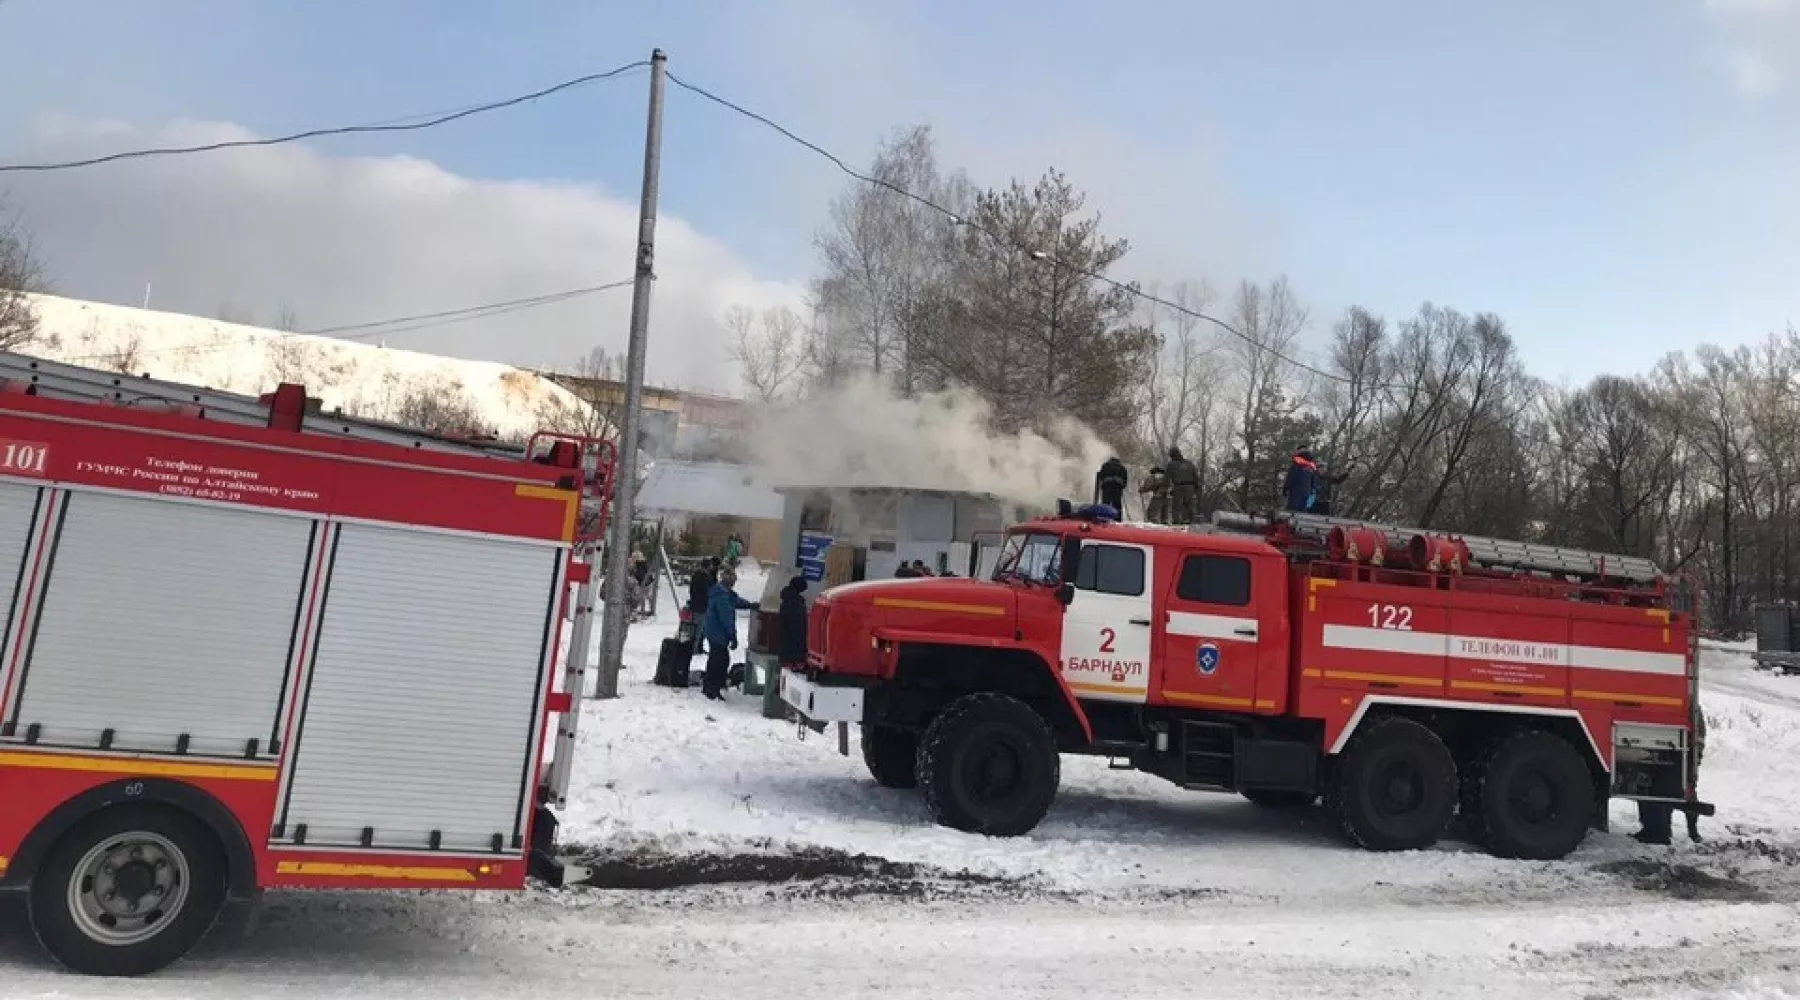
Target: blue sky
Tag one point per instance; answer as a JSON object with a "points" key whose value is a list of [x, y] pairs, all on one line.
{"points": [[1613, 177]]}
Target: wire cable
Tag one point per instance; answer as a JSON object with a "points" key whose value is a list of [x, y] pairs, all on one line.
{"points": [[395, 125], [456, 315], [1037, 253]]}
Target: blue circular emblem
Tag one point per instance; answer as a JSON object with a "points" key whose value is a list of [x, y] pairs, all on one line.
{"points": [[1207, 659]]}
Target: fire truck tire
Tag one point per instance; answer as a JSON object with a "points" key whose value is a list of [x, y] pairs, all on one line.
{"points": [[989, 764], [1531, 796], [1394, 787], [128, 891], [891, 755]]}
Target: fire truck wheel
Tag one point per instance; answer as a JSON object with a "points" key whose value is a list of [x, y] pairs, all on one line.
{"points": [[128, 891], [988, 764], [1531, 797], [891, 756], [1395, 786]]}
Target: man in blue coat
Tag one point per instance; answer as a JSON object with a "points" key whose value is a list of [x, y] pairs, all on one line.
{"points": [[1301, 484], [720, 628]]}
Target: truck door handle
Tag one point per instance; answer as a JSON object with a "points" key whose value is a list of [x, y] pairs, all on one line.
{"points": [[1248, 633], [1140, 621]]}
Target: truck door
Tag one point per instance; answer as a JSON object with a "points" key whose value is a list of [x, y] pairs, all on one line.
{"points": [[1223, 628], [1107, 626]]}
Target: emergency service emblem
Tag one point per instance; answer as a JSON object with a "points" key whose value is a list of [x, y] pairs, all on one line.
{"points": [[1207, 659]]}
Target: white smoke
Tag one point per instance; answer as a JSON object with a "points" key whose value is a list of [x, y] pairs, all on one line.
{"points": [[864, 434]]}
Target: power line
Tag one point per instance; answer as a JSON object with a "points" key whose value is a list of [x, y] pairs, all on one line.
{"points": [[458, 315], [1037, 253], [396, 125]]}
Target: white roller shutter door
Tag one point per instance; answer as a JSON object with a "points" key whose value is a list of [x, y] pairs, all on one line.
{"points": [[18, 512], [163, 619], [422, 708]]}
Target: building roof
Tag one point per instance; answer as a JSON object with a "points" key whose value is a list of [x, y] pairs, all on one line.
{"points": [[673, 486], [882, 488]]}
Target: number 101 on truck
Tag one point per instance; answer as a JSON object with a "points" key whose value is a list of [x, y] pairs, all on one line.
{"points": [[252, 646], [1405, 678]]}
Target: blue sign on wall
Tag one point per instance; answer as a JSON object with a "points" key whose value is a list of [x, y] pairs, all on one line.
{"points": [[811, 557]]}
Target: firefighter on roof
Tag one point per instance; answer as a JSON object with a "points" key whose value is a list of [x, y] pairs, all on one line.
{"points": [[1109, 484], [1155, 491], [1184, 488], [1300, 487]]}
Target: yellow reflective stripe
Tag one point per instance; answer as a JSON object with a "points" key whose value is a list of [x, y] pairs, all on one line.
{"points": [[1544, 692], [1641, 699], [965, 609], [137, 767], [4, 862], [1350, 675], [336, 869], [1208, 699], [569, 497]]}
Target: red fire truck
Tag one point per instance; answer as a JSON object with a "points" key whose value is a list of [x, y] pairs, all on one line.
{"points": [[252, 645], [1405, 678]]}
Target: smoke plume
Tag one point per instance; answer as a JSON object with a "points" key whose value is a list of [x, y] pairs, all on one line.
{"points": [[864, 434]]}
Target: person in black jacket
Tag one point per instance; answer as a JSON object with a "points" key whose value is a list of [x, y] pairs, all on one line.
{"points": [[1109, 484], [792, 648], [1184, 488], [699, 589]]}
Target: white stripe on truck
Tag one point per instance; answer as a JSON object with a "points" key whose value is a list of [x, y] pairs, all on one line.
{"points": [[1465, 647]]}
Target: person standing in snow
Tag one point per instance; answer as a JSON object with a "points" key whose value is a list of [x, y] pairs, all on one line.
{"points": [[1184, 488], [1155, 491], [699, 588], [792, 648], [720, 629], [1109, 484]]}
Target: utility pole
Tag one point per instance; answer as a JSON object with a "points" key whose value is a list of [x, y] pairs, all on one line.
{"points": [[618, 545]]}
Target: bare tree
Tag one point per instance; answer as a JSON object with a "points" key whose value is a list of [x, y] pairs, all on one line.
{"points": [[21, 274], [441, 406], [1183, 401], [1268, 321], [885, 255], [770, 350], [598, 408], [287, 319]]}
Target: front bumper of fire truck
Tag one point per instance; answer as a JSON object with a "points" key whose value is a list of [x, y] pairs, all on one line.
{"points": [[817, 704]]}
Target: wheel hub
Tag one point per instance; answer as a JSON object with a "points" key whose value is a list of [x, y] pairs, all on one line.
{"points": [[1402, 789], [1534, 799], [996, 770], [125, 889]]}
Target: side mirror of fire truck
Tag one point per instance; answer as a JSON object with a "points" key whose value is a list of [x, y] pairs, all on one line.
{"points": [[1071, 565]]}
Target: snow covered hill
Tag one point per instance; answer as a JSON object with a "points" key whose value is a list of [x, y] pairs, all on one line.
{"points": [[362, 378]]}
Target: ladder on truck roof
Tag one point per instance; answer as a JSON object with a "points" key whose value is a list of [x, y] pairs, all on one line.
{"points": [[1492, 553], [58, 380]]}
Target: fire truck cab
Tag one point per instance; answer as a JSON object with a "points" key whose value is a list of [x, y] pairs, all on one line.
{"points": [[1404, 678]]}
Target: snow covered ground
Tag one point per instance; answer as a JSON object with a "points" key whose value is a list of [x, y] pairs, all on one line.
{"points": [[1131, 887]]}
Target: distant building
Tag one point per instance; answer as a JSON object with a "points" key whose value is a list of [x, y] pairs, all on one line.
{"points": [[678, 423], [840, 534]]}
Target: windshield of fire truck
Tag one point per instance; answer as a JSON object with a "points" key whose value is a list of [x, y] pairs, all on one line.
{"points": [[1034, 557]]}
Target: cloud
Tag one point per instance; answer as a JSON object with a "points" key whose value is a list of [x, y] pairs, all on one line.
{"points": [[343, 240], [1761, 47]]}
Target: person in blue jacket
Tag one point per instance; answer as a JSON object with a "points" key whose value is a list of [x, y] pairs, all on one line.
{"points": [[1301, 484], [720, 628]]}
